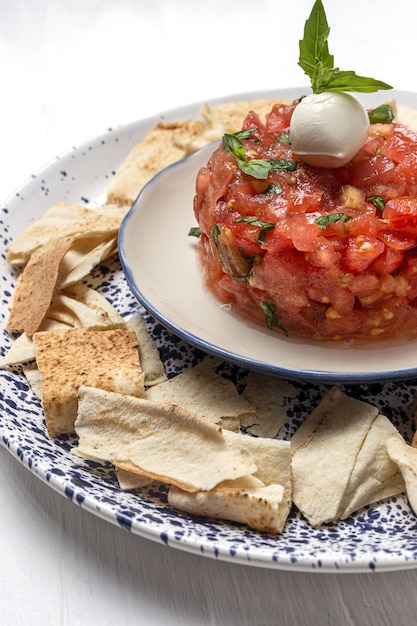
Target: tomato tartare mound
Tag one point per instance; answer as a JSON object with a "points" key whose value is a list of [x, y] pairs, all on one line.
{"points": [[320, 253]]}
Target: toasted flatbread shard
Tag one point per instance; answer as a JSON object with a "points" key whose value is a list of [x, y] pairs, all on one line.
{"points": [[405, 115], [325, 449], [228, 118], [129, 480], [82, 307], [405, 457], [150, 360], [67, 359], [375, 476], [163, 442], [83, 256], [35, 287], [204, 392], [267, 394], [258, 508], [166, 143], [23, 349], [69, 220], [262, 501]]}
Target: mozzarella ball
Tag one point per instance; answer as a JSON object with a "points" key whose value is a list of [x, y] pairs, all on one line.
{"points": [[327, 129]]}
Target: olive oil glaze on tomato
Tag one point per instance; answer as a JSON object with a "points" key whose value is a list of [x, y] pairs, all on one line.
{"points": [[328, 254]]}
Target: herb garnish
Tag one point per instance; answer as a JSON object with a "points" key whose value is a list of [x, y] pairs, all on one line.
{"points": [[377, 201], [269, 309], [194, 231], [254, 221], [273, 188], [317, 62], [333, 218], [258, 168], [381, 115]]}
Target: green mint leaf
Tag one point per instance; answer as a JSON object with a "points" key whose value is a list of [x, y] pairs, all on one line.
{"points": [[326, 220], [317, 62], [381, 115]]}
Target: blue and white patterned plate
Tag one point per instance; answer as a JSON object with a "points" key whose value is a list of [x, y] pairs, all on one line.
{"points": [[377, 538]]}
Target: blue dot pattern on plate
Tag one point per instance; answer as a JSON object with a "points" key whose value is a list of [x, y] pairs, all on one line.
{"points": [[376, 538]]}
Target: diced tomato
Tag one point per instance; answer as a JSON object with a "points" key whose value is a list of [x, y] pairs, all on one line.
{"points": [[399, 209], [397, 239], [388, 262], [351, 275], [360, 251], [401, 144], [371, 170]]}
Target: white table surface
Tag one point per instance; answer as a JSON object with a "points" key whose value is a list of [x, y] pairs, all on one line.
{"points": [[69, 69]]}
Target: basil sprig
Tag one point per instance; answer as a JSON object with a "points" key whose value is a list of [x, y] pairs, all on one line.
{"points": [[317, 62], [257, 168]]}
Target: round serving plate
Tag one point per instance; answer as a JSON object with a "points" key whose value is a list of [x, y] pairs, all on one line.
{"points": [[378, 538]]}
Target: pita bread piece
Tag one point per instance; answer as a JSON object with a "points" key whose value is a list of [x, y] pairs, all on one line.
{"points": [[267, 394], [67, 359], [257, 508], [228, 118], [200, 390], [69, 220], [23, 348], [150, 361], [82, 306], [375, 476], [83, 256], [129, 480], [325, 449], [163, 442], [164, 144], [405, 457], [33, 293], [261, 501]]}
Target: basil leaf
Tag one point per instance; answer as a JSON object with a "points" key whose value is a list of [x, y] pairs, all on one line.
{"points": [[258, 168], [377, 201], [254, 221], [326, 220], [317, 62], [284, 138], [283, 164], [314, 49], [273, 188], [232, 144], [269, 309], [245, 134], [194, 231], [381, 115]]}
